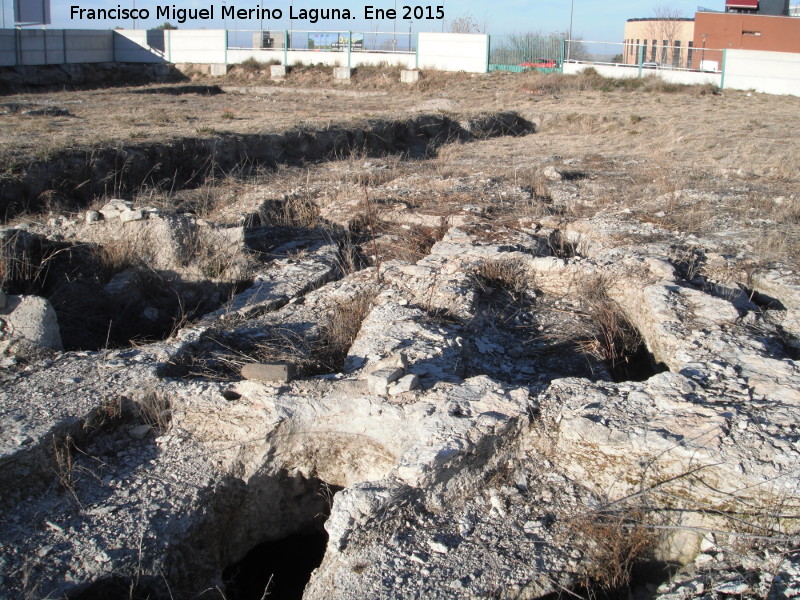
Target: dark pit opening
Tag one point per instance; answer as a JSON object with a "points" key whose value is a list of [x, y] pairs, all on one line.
{"points": [[279, 569], [645, 578], [635, 364]]}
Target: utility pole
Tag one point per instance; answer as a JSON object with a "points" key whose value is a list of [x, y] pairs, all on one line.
{"points": [[703, 53], [569, 42]]}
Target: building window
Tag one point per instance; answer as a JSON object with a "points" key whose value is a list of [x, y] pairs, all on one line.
{"points": [[689, 51], [643, 55], [653, 52], [676, 54]]}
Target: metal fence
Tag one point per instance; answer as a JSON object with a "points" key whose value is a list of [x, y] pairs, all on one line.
{"points": [[676, 56], [524, 52], [395, 42]]}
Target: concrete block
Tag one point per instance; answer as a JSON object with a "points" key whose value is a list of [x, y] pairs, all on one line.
{"points": [[92, 216], [278, 71], [343, 72], [218, 69], [269, 371], [404, 384], [409, 76], [378, 381]]}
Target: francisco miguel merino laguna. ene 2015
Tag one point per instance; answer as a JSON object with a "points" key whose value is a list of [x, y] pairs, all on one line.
{"points": [[181, 15]]}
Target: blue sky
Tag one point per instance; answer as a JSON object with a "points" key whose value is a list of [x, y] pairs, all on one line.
{"points": [[592, 20]]}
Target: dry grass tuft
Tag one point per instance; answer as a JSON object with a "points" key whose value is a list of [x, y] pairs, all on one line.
{"points": [[508, 274], [610, 336], [340, 331], [153, 407], [612, 544]]}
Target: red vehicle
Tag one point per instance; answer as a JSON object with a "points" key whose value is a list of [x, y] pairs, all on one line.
{"points": [[540, 63]]}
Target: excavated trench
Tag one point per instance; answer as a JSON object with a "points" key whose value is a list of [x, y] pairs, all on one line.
{"points": [[99, 306], [78, 176]]}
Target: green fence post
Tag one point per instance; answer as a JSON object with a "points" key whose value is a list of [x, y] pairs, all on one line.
{"points": [[64, 45], [488, 50], [722, 76], [563, 53], [416, 52], [349, 44], [225, 54], [285, 48]]}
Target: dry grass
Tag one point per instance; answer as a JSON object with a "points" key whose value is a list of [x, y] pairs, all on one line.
{"points": [[612, 544], [339, 332], [610, 336], [153, 408], [508, 274]]}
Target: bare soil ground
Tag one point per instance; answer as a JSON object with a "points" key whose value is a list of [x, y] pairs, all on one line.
{"points": [[692, 179]]}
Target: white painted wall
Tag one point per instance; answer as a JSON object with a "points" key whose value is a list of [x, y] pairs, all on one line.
{"points": [[454, 51], [313, 57], [627, 71], [768, 72]]}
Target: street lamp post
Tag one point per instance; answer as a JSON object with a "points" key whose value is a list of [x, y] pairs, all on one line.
{"points": [[569, 41], [703, 53], [224, 18], [4, 13]]}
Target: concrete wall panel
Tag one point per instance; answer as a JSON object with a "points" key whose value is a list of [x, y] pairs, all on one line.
{"points": [[311, 57], [88, 46], [8, 48], [768, 72], [627, 71], [454, 51], [196, 46]]}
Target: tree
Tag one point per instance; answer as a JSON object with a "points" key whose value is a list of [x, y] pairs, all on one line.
{"points": [[665, 28], [465, 24], [165, 25]]}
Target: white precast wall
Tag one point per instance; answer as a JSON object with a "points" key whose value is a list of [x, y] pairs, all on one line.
{"points": [[313, 57], [768, 72], [8, 48], [629, 71], [454, 51], [55, 46], [196, 46], [176, 46], [138, 46]]}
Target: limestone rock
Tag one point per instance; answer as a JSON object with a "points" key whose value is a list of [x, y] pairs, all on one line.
{"points": [[32, 319], [551, 173], [379, 380]]}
